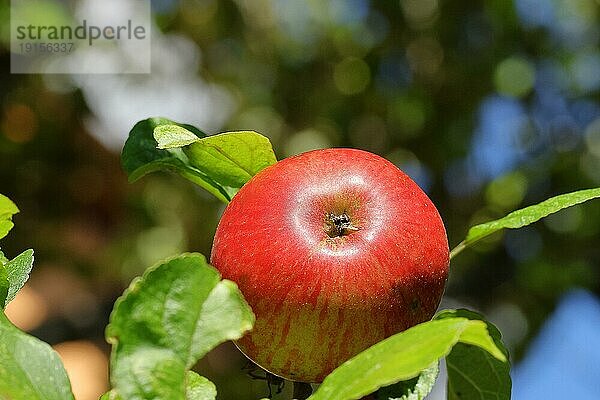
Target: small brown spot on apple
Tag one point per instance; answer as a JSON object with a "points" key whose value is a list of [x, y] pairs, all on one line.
{"points": [[415, 304]]}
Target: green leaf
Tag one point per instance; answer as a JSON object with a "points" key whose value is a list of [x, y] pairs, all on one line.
{"points": [[140, 157], [17, 273], [402, 357], [472, 372], [413, 389], [171, 136], [166, 321], [4, 285], [3, 259], [525, 216], [7, 210], [29, 368], [231, 158], [111, 395], [199, 388]]}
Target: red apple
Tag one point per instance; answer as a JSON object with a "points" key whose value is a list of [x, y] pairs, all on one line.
{"points": [[334, 250]]}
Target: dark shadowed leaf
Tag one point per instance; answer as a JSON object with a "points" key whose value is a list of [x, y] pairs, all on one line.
{"points": [[472, 372], [525, 216], [29, 368], [402, 357], [166, 321]]}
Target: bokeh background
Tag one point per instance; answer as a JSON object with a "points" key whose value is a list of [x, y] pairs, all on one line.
{"points": [[489, 106]]}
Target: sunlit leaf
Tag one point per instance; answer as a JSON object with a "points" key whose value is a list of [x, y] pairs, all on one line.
{"points": [[166, 321], [413, 389], [232, 158], [140, 156], [7, 210], [29, 368], [199, 388], [172, 136], [17, 273], [403, 356], [4, 285], [111, 395], [221, 164], [525, 216]]}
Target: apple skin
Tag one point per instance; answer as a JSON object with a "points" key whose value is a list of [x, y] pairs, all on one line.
{"points": [[322, 294]]}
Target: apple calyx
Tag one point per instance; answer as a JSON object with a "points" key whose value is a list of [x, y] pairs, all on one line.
{"points": [[337, 225]]}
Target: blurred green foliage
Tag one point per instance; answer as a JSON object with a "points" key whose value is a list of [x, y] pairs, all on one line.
{"points": [[489, 106]]}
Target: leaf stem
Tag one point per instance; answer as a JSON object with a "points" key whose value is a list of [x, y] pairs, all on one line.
{"points": [[459, 247]]}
